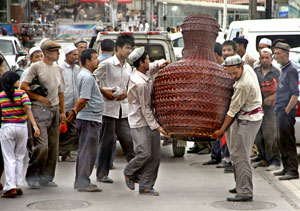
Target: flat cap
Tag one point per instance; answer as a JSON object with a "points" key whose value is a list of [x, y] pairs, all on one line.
{"points": [[240, 40], [33, 50], [81, 40], [233, 60], [70, 48], [282, 46], [50, 45], [136, 54], [265, 41]]}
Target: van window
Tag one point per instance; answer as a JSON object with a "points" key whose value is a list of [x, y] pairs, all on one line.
{"points": [[6, 47], [155, 52], [292, 40], [178, 43], [234, 33]]}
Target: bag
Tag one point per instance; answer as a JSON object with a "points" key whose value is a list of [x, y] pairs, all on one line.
{"points": [[63, 128], [269, 87], [38, 88]]}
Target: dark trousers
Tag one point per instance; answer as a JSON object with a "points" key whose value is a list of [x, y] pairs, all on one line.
{"points": [[88, 136], [112, 128], [44, 150], [68, 141], [266, 138], [287, 141], [217, 150]]}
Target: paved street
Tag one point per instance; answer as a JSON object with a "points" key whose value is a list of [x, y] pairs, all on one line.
{"points": [[183, 183]]}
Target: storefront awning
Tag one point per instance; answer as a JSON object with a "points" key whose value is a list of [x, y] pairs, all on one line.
{"points": [[95, 1], [124, 1]]}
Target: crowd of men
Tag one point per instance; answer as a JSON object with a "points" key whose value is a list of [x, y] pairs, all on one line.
{"points": [[102, 99]]}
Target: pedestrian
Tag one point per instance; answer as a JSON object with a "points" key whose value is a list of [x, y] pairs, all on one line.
{"points": [[81, 44], [88, 112], [147, 26], [286, 107], [145, 130], [112, 76], [82, 14], [1, 89], [26, 41], [75, 12], [241, 44], [246, 113], [264, 43], [266, 138], [46, 108], [35, 55], [68, 141], [15, 108]]}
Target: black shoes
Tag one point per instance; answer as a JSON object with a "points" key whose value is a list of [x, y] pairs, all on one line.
{"points": [[105, 179], [228, 169], [129, 182], [288, 177], [233, 190], [240, 198], [211, 162], [279, 173]]}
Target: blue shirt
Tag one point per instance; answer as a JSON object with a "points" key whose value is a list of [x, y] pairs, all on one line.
{"points": [[104, 56], [287, 87], [88, 89]]}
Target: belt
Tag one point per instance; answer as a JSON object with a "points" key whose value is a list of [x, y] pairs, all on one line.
{"points": [[51, 108], [255, 111]]}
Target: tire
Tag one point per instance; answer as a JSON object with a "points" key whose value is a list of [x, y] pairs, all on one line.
{"points": [[178, 151]]}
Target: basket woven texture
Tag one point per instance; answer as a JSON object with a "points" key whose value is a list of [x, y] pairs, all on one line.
{"points": [[191, 96]]}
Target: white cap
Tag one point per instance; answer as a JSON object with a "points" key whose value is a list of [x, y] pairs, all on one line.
{"points": [[69, 48], [265, 41], [267, 50], [233, 60], [33, 50], [136, 54], [43, 40]]}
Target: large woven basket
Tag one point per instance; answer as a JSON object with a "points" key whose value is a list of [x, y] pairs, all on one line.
{"points": [[192, 96]]}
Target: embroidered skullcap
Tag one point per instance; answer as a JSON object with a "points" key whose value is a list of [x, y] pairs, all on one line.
{"points": [[265, 41], [267, 50], [33, 50], [136, 54], [233, 60], [69, 48]]}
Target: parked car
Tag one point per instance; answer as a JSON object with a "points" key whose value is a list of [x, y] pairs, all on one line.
{"points": [[5, 63], [14, 52]]}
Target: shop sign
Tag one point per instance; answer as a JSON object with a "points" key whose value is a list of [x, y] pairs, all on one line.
{"points": [[8, 28], [76, 31]]}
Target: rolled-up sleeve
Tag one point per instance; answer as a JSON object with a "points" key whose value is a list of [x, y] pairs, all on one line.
{"points": [[32, 73], [145, 101], [238, 99], [293, 82], [100, 73]]}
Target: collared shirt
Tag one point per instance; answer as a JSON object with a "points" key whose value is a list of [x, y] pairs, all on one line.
{"points": [[50, 76], [273, 73], [88, 89], [70, 75], [246, 96], [139, 98], [104, 56], [110, 74], [287, 87]]}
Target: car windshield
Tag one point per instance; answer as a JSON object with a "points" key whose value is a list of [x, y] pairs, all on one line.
{"points": [[6, 47]]}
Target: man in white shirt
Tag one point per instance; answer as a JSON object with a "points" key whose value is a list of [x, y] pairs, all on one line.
{"points": [[245, 113], [144, 128], [112, 76]]}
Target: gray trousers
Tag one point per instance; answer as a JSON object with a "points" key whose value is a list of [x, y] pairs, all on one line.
{"points": [[266, 138], [44, 149], [146, 143], [242, 140], [88, 133], [68, 141]]}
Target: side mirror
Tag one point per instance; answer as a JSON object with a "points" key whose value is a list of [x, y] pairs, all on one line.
{"points": [[21, 53], [15, 67]]}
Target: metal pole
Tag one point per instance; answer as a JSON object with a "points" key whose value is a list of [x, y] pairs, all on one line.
{"points": [[224, 16]]}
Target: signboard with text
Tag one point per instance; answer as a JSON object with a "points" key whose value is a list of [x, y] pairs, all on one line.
{"points": [[8, 28], [76, 31]]}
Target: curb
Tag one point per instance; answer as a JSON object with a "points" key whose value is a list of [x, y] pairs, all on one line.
{"points": [[286, 193]]}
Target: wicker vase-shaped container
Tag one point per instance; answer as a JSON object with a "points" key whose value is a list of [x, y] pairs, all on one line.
{"points": [[192, 96]]}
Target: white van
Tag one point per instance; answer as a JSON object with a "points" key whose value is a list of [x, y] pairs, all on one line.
{"points": [[254, 30]]}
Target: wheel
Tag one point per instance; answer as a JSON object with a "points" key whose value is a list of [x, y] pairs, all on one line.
{"points": [[178, 151]]}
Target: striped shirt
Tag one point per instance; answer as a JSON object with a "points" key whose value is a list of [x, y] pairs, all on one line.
{"points": [[14, 112]]}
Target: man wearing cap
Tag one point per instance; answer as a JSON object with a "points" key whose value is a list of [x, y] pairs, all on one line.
{"points": [[112, 76], [68, 141], [286, 108], [46, 111], [144, 128], [246, 112], [266, 139], [264, 43], [81, 45], [242, 43]]}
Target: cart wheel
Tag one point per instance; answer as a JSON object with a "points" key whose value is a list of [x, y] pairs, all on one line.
{"points": [[178, 151]]}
